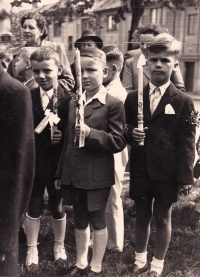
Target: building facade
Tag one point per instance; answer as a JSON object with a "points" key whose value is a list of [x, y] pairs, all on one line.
{"points": [[184, 25]]}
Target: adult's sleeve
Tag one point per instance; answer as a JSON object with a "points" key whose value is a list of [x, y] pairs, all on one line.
{"points": [[17, 161], [112, 140], [127, 80], [66, 79], [177, 79], [186, 145]]}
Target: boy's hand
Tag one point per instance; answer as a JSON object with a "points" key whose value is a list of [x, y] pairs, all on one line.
{"points": [[57, 184], [87, 130], [184, 189], [57, 135], [139, 134]]}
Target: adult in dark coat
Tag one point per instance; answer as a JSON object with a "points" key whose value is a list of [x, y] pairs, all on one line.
{"points": [[16, 166]]}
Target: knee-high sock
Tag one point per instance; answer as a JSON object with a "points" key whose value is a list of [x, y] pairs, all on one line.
{"points": [[99, 247], [82, 241], [59, 228], [157, 265], [32, 230], [140, 259]]}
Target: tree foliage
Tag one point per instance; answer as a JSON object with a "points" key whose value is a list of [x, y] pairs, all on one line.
{"points": [[136, 8], [67, 8]]}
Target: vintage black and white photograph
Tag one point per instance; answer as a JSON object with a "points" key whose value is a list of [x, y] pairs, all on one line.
{"points": [[100, 138]]}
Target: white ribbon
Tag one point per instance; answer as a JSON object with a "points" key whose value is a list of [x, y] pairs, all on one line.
{"points": [[50, 117]]}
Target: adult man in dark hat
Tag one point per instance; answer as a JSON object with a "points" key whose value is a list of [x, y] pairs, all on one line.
{"points": [[88, 39], [16, 163]]}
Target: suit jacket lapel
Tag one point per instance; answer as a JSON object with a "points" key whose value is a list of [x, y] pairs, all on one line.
{"points": [[167, 98], [146, 104], [88, 110], [36, 99]]}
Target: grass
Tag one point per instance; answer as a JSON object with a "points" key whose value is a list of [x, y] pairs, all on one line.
{"points": [[183, 255]]}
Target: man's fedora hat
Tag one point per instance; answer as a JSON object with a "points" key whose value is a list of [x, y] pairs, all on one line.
{"points": [[89, 34]]}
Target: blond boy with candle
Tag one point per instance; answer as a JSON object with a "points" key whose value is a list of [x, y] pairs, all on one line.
{"points": [[87, 173], [46, 68], [163, 167]]}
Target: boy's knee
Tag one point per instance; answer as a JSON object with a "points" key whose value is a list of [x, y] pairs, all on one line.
{"points": [[143, 220], [35, 207]]}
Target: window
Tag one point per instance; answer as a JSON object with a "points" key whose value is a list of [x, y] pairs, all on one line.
{"points": [[111, 25], [192, 24], [189, 75], [158, 16], [70, 43], [84, 24], [57, 30]]}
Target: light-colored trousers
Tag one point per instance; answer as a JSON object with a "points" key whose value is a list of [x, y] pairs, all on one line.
{"points": [[114, 208]]}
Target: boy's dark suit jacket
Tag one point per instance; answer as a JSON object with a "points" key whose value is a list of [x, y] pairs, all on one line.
{"points": [[170, 138], [47, 154], [17, 159], [92, 166]]}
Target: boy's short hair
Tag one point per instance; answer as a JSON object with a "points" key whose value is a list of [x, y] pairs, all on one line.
{"points": [[153, 29], [25, 52], [95, 54], [115, 55], [45, 54], [164, 42], [5, 53]]}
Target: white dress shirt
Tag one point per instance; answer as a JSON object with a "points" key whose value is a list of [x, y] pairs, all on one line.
{"points": [[45, 97], [152, 94]]}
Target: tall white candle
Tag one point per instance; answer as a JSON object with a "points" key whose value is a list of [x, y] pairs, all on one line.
{"points": [[140, 100], [80, 109]]}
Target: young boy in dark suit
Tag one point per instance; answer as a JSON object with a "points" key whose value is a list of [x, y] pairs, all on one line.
{"points": [[87, 173], [163, 167], [46, 67]]}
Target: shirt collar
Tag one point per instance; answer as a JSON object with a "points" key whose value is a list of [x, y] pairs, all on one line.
{"points": [[100, 95], [26, 82], [48, 92], [112, 83], [162, 88]]}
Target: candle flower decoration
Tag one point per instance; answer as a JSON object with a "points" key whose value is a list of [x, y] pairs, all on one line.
{"points": [[194, 118]]}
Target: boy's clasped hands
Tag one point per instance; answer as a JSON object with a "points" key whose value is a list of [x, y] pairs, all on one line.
{"points": [[57, 135], [85, 128], [138, 134]]}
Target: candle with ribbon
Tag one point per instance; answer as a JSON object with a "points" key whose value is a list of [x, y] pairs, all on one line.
{"points": [[80, 108], [55, 104], [141, 62]]}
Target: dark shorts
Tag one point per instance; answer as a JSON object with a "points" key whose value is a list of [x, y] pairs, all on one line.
{"points": [[96, 199], [145, 188]]}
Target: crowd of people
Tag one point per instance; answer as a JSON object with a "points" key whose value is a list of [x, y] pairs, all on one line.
{"points": [[37, 156]]}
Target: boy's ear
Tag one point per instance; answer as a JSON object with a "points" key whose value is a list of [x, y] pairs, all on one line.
{"points": [[176, 65], [60, 70], [105, 72], [28, 64], [114, 67], [146, 65]]}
